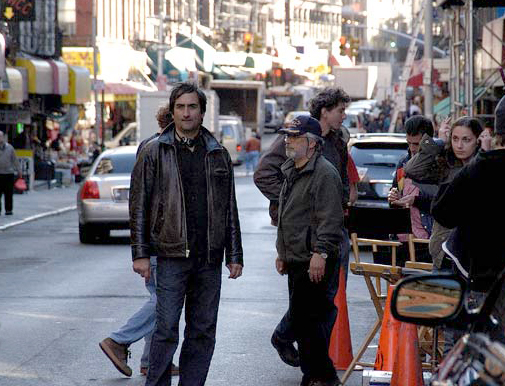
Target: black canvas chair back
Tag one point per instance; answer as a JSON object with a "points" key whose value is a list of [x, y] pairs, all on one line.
{"points": [[378, 223]]}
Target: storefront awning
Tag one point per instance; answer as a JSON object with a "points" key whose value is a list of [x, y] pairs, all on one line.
{"points": [[60, 77], [204, 50], [45, 76], [79, 86], [183, 59], [122, 91], [14, 94]]}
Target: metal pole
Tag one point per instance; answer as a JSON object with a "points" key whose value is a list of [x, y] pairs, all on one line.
{"points": [[95, 70], [160, 43], [469, 26], [428, 58]]}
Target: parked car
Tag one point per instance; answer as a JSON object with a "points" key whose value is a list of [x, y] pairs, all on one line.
{"points": [[274, 117], [292, 115], [376, 157], [232, 134], [102, 198], [127, 136], [354, 121]]}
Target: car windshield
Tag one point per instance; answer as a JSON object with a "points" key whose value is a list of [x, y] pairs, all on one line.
{"points": [[269, 107], [115, 164], [350, 120], [373, 154], [227, 131]]}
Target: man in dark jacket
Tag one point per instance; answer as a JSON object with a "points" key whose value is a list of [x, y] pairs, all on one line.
{"points": [[308, 235], [469, 204], [411, 194], [328, 107], [183, 210]]}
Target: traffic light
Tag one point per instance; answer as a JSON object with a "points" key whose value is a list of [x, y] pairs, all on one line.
{"points": [[354, 46], [247, 41], [342, 46]]}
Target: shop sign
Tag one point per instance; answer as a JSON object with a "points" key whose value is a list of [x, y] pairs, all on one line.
{"points": [[15, 116], [18, 10], [81, 56]]}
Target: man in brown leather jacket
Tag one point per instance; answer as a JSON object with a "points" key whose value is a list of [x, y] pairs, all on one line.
{"points": [[183, 210]]}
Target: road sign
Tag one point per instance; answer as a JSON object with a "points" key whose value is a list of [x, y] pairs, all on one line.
{"points": [[18, 10], [98, 85]]}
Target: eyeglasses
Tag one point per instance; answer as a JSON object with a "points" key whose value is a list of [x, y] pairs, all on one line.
{"points": [[292, 136]]}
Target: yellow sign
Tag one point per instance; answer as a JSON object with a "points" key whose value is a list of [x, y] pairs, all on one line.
{"points": [[9, 13], [80, 56]]}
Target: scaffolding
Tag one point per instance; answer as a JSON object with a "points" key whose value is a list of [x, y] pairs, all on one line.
{"points": [[463, 19]]}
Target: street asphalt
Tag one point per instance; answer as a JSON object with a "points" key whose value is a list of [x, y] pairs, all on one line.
{"points": [[51, 323]]}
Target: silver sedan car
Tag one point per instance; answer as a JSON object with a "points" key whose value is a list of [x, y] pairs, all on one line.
{"points": [[102, 198]]}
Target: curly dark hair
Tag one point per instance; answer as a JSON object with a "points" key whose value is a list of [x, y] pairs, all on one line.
{"points": [[329, 97], [164, 116], [418, 124], [187, 88], [447, 160]]}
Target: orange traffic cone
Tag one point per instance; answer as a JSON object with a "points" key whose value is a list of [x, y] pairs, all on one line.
{"points": [[407, 369], [388, 339], [340, 341]]}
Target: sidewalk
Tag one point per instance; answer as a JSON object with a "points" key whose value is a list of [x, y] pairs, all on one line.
{"points": [[39, 203]]}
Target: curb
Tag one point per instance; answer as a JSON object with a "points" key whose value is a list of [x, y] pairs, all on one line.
{"points": [[37, 217]]}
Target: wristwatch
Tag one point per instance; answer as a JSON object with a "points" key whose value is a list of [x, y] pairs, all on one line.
{"points": [[324, 255]]}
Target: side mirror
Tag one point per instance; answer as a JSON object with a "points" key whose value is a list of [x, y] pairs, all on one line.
{"points": [[428, 300]]}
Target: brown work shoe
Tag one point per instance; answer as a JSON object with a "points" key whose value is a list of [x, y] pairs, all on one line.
{"points": [[118, 355], [174, 370]]}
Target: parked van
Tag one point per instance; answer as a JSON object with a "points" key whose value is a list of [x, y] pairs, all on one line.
{"points": [[274, 117], [232, 134]]}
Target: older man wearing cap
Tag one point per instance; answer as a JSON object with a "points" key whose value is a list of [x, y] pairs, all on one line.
{"points": [[308, 234], [472, 204]]}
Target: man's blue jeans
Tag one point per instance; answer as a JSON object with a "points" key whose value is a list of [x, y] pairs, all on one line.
{"points": [[197, 284], [251, 160], [141, 324], [284, 330]]}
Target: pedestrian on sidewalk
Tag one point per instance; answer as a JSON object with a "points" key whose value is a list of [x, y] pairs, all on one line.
{"points": [[328, 107], [310, 204], [252, 152], [142, 323], [183, 209], [9, 167]]}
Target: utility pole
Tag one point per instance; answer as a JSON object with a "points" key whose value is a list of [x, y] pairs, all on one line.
{"points": [[98, 119], [160, 44], [428, 59]]}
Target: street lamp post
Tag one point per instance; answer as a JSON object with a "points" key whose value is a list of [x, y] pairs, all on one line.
{"points": [[428, 58], [95, 70]]}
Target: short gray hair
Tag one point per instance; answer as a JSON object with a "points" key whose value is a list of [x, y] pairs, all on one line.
{"points": [[319, 140]]}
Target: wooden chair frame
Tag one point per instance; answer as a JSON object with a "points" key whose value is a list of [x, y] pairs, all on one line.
{"points": [[390, 273]]}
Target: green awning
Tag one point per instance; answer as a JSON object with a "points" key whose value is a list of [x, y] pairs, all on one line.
{"points": [[444, 106]]}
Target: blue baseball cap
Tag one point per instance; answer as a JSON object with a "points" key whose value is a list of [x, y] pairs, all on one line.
{"points": [[302, 124]]}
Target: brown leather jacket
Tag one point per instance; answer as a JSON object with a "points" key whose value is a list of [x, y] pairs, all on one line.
{"points": [[157, 213]]}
